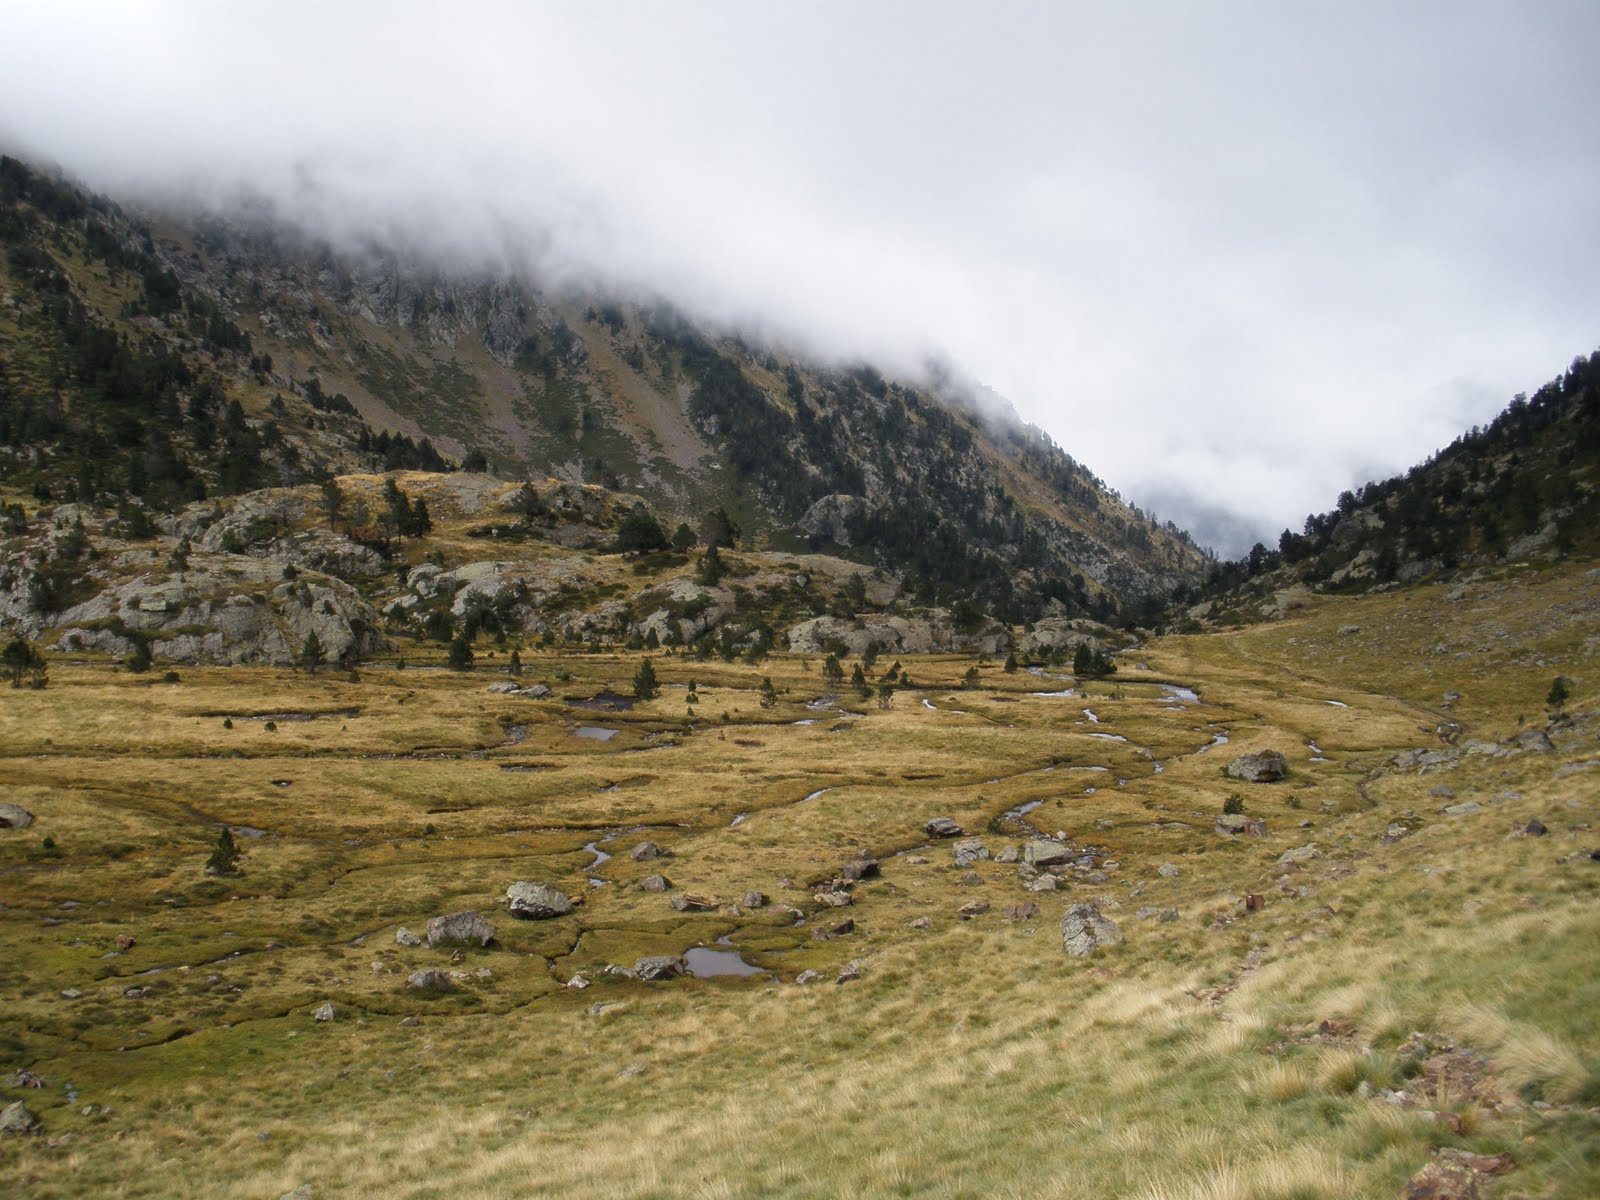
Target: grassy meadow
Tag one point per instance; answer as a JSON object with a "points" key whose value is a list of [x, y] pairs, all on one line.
{"points": [[1216, 1054]]}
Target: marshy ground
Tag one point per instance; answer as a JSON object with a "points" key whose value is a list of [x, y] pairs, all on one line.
{"points": [[1424, 977]]}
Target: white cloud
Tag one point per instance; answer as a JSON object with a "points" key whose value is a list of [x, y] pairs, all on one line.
{"points": [[1243, 253]]}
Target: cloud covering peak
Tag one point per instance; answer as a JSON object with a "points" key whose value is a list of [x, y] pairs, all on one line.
{"points": [[1234, 257]]}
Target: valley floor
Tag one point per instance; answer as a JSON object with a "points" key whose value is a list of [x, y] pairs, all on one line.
{"points": [[1417, 971]]}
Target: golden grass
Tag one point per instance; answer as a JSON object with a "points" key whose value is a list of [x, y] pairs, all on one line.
{"points": [[971, 1058]]}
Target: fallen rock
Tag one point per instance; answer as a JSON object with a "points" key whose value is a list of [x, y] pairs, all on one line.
{"points": [[859, 869], [1235, 824], [808, 977], [430, 981], [15, 1118], [459, 929], [1266, 766], [656, 967], [942, 827], [405, 937], [1046, 852], [1084, 930], [655, 883], [536, 902], [834, 899], [1043, 883], [645, 851], [1021, 912], [972, 908], [14, 816], [968, 851], [691, 902], [323, 1012], [1008, 854], [1300, 855]]}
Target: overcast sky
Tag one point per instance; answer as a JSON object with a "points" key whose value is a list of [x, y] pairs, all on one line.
{"points": [[1235, 257]]}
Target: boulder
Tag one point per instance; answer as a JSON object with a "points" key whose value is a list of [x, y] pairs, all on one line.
{"points": [[1045, 852], [1534, 740], [655, 883], [405, 937], [14, 816], [1235, 824], [323, 1012], [690, 902], [645, 851], [1008, 854], [972, 908], [1455, 1175], [968, 851], [859, 869], [536, 902], [834, 899], [806, 977], [429, 981], [1043, 883], [1535, 828], [459, 929], [655, 967], [1084, 930], [942, 827], [15, 1118], [1167, 871], [1022, 912], [754, 899], [1266, 766]]}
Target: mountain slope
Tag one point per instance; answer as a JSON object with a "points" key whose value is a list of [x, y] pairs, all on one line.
{"points": [[242, 354]]}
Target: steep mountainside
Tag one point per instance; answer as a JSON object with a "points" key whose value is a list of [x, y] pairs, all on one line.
{"points": [[153, 361], [1527, 484]]}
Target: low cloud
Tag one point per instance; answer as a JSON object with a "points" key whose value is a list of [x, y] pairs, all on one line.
{"points": [[1235, 259]]}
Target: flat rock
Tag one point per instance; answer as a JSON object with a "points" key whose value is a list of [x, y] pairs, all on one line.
{"points": [[942, 827], [1167, 871], [1084, 930], [1008, 854], [536, 901], [1046, 852], [14, 816], [459, 929], [1300, 855], [1465, 809], [1043, 883], [1534, 740], [972, 908], [1266, 766], [692, 902], [859, 869]]}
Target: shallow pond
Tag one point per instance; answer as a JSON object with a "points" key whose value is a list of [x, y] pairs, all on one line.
{"points": [[705, 962], [596, 733]]}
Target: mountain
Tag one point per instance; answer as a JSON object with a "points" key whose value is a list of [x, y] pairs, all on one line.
{"points": [[1527, 485], [149, 360]]}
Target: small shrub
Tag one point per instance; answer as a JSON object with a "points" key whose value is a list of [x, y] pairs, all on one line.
{"points": [[1233, 805], [170, 677]]}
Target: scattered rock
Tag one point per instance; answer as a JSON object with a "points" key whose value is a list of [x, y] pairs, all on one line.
{"points": [[14, 816], [655, 883], [304, 1192], [972, 908], [410, 1022], [656, 967], [1300, 856], [1044, 883], [968, 851], [850, 974], [755, 900], [1394, 833], [24, 1079], [1535, 828], [578, 982], [858, 869], [1348, 630], [1443, 791], [405, 937], [808, 977], [72, 994], [1008, 854], [1465, 809], [921, 923], [1167, 871], [430, 981], [645, 851], [1266, 766], [834, 899], [124, 941], [1235, 824], [692, 902], [323, 1012], [1084, 930], [15, 1118], [536, 902], [942, 827], [1022, 912], [1534, 740], [459, 929], [1045, 852], [1455, 1175]]}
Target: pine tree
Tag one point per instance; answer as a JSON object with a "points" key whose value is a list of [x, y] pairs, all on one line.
{"points": [[224, 859], [461, 653], [645, 685], [1559, 695], [832, 672], [21, 660], [769, 694], [516, 662], [312, 655]]}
